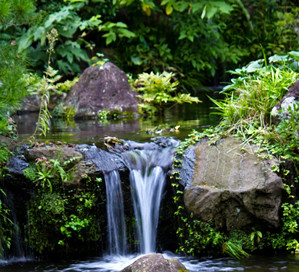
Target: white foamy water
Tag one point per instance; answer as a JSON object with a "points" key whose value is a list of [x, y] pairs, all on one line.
{"points": [[117, 239]]}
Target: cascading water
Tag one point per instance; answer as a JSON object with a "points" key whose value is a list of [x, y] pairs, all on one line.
{"points": [[147, 178], [117, 239], [147, 183]]}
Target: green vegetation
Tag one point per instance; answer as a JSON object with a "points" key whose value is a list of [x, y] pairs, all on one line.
{"points": [[62, 214], [161, 43], [158, 90], [246, 114], [195, 39]]}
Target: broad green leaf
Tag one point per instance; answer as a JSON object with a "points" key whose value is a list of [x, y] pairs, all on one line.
{"points": [[203, 14], [110, 37], [64, 66], [58, 16], [254, 66], [121, 25], [183, 35], [80, 54], [180, 6], [211, 11], [68, 30], [278, 58], [25, 41], [65, 52], [190, 38], [136, 60], [165, 2], [92, 23], [39, 33], [197, 6], [108, 25], [222, 6], [126, 33], [294, 54]]}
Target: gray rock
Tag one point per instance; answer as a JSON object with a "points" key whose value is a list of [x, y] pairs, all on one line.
{"points": [[100, 88], [31, 103], [63, 153], [155, 263], [289, 101], [233, 188], [187, 168], [16, 165], [102, 160]]}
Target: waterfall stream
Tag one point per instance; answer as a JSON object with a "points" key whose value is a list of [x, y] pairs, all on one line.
{"points": [[117, 239], [147, 184], [148, 168]]}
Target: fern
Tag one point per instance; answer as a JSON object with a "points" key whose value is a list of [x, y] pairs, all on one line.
{"points": [[71, 160], [30, 173]]}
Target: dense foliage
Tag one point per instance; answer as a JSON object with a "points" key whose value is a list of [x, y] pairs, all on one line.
{"points": [[196, 39], [62, 215]]}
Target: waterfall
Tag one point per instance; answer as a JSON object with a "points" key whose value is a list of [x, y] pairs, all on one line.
{"points": [[117, 240], [17, 248], [147, 178]]}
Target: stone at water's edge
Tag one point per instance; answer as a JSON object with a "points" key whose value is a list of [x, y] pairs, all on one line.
{"points": [[233, 188], [155, 263], [100, 88], [280, 111]]}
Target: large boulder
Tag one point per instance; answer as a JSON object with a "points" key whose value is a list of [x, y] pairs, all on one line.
{"points": [[281, 110], [155, 263], [101, 88], [233, 187]]}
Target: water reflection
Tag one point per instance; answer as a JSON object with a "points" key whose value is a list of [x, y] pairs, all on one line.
{"points": [[116, 263], [185, 117]]}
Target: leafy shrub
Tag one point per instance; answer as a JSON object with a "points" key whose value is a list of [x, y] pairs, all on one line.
{"points": [[159, 90]]}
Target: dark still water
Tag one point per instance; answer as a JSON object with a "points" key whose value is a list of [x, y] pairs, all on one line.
{"points": [[116, 263], [184, 117]]}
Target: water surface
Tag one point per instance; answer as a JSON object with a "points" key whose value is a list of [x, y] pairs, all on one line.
{"points": [[116, 263], [185, 117]]}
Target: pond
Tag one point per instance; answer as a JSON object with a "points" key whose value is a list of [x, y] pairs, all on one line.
{"points": [[178, 121]]}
